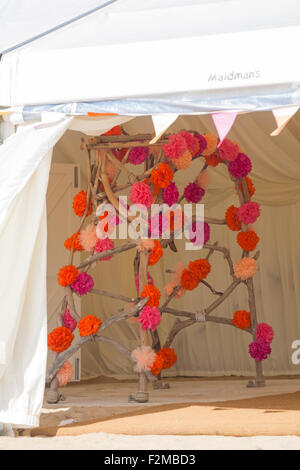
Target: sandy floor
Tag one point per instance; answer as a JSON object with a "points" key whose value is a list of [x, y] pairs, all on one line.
{"points": [[119, 442], [190, 407]]}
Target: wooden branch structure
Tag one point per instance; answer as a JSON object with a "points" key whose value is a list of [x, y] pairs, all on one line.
{"points": [[106, 151]]}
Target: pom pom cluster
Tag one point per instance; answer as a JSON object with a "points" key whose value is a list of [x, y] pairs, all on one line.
{"points": [[79, 204], [67, 275], [240, 167], [162, 176], [245, 268], [138, 155], [89, 325], [83, 283], [261, 349], [104, 244], [60, 339], [241, 319], [193, 193], [170, 194], [153, 293], [149, 318], [197, 270], [141, 194], [73, 242], [69, 321], [64, 374]]}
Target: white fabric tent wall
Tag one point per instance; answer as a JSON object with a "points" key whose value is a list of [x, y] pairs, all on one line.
{"points": [[208, 350], [24, 160]]}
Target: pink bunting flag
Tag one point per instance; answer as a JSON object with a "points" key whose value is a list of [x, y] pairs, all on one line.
{"points": [[223, 123]]}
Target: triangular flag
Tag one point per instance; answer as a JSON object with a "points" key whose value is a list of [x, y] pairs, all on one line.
{"points": [[223, 123], [282, 117], [161, 122]]}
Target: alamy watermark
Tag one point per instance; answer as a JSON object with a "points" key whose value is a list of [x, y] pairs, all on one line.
{"points": [[159, 221]]}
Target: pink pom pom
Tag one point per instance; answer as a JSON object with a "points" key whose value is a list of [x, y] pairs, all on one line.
{"points": [[144, 358], [240, 167], [202, 143], [69, 321], [104, 244], [141, 194], [170, 194], [83, 284], [259, 350], [64, 374], [193, 193], [138, 155], [245, 268], [176, 146], [191, 142], [150, 318], [228, 150], [88, 237], [249, 212], [264, 333]]}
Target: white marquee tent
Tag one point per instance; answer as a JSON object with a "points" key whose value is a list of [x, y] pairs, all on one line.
{"points": [[137, 59]]}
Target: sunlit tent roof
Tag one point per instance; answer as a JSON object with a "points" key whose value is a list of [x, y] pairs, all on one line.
{"points": [[151, 56]]}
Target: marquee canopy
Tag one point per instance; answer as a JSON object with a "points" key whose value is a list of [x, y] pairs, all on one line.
{"points": [[133, 57]]}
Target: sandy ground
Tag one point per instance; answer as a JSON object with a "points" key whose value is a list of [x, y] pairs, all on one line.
{"points": [[119, 442], [192, 414]]}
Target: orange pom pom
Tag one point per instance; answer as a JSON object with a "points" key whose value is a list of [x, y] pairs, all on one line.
{"points": [[189, 280], [67, 275], [169, 357], [232, 219], [79, 204], [156, 253], [212, 142], [89, 325], [247, 240], [73, 242], [213, 159], [241, 319], [200, 267], [162, 176], [60, 339], [153, 293], [157, 365], [184, 161]]}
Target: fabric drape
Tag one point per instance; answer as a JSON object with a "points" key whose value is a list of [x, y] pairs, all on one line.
{"points": [[25, 160]]}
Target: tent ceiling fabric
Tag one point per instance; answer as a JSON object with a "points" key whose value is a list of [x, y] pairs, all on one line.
{"points": [[24, 19], [241, 56], [21, 20]]}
